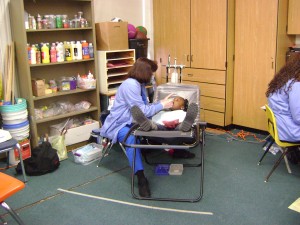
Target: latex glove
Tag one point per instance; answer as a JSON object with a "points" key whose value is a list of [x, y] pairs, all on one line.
{"points": [[167, 102]]}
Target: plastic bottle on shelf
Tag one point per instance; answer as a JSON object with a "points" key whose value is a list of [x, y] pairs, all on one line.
{"points": [[38, 54], [60, 52], [79, 49], [85, 50], [74, 51], [90, 76], [28, 53], [38, 22], [53, 54], [67, 47], [33, 23], [45, 54], [33, 54], [91, 50]]}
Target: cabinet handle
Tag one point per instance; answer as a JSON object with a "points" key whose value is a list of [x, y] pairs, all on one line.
{"points": [[272, 63], [190, 74], [191, 58], [187, 58]]}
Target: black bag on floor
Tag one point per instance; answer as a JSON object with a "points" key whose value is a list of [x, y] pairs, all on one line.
{"points": [[44, 159]]}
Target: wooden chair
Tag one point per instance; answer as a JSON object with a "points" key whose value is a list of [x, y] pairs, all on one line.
{"points": [[8, 187], [272, 129]]}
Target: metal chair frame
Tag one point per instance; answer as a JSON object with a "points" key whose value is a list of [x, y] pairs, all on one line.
{"points": [[10, 145], [200, 128]]}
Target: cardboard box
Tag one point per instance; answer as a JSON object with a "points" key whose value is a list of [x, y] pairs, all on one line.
{"points": [[112, 35], [76, 134], [38, 87]]}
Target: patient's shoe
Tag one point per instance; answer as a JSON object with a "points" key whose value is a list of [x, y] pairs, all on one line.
{"points": [[190, 117], [183, 154], [144, 189], [142, 120]]}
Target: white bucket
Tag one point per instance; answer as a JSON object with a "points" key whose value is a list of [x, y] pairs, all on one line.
{"points": [[15, 115]]}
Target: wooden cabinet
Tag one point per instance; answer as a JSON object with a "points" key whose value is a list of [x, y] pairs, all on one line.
{"points": [[114, 66], [294, 17], [200, 34], [53, 71], [260, 47]]}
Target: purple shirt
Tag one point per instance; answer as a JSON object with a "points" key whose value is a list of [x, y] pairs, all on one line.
{"points": [[128, 95], [286, 108]]}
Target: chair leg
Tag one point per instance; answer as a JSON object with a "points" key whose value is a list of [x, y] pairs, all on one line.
{"points": [[266, 151], [105, 151], [12, 213], [22, 163], [276, 165], [286, 162], [123, 148]]}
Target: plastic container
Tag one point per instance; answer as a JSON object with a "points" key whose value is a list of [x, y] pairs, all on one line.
{"points": [[162, 169], [20, 106], [87, 154], [176, 169]]}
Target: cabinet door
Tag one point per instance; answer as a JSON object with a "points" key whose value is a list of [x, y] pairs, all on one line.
{"points": [[172, 30], [208, 34], [294, 17], [255, 49]]}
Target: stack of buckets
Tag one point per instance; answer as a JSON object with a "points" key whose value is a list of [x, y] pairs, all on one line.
{"points": [[15, 120]]}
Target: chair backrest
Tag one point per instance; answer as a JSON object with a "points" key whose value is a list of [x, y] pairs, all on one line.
{"points": [[186, 91], [272, 128]]}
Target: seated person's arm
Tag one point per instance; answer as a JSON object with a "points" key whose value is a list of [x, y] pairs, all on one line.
{"points": [[294, 103]]}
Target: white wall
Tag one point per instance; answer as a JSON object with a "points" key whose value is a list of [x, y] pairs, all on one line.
{"points": [[136, 12]]}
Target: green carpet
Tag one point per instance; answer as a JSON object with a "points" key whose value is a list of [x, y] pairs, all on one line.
{"points": [[234, 191]]}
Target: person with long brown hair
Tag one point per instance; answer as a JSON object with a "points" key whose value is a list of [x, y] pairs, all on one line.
{"points": [[132, 92], [283, 95]]}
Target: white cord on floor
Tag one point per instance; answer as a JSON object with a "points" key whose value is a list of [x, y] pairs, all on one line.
{"points": [[134, 204]]}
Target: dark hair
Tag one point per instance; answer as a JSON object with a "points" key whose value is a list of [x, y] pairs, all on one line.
{"points": [[186, 104], [142, 70], [291, 71]]}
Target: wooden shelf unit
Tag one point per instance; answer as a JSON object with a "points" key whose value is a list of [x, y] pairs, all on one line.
{"points": [[27, 72], [114, 66]]}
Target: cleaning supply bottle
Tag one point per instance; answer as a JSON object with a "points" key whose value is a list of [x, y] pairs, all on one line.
{"points": [[45, 54], [79, 49], [74, 51], [53, 54], [38, 54], [68, 55], [60, 52], [85, 50], [91, 50], [33, 54]]}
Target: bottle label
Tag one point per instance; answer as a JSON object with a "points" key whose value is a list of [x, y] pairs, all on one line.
{"points": [[75, 52], [85, 51]]}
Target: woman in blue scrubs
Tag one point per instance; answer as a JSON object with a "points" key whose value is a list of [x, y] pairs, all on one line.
{"points": [[130, 93], [283, 98]]}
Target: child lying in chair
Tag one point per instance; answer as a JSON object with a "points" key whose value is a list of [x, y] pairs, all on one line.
{"points": [[181, 116]]}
